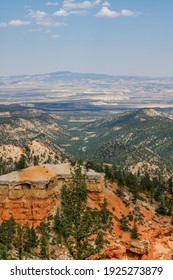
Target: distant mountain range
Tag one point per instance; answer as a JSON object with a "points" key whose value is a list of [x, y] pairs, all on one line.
{"points": [[86, 91], [68, 75]]}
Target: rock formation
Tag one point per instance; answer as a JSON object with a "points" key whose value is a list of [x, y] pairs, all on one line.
{"points": [[32, 194]]}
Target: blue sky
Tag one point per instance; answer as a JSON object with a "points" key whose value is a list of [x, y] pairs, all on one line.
{"points": [[120, 37]]}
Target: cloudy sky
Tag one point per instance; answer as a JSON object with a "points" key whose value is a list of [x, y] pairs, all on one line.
{"points": [[120, 37]]}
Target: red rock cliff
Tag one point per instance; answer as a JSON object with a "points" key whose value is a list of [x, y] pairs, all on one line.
{"points": [[33, 194]]}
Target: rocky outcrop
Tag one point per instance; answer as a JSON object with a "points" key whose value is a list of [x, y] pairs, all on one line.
{"points": [[142, 249], [32, 194]]}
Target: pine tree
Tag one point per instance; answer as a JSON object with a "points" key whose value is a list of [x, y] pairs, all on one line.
{"points": [[134, 232], [124, 224], [44, 248], [27, 238], [132, 183], [33, 237], [7, 231], [161, 209], [36, 160], [22, 163], [57, 227], [106, 216], [18, 241], [3, 252], [44, 230], [170, 185], [81, 226], [171, 222]]}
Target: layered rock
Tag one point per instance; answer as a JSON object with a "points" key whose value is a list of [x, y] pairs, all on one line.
{"points": [[32, 194]]}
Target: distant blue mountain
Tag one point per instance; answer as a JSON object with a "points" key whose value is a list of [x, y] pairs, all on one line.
{"points": [[76, 76], [67, 75]]}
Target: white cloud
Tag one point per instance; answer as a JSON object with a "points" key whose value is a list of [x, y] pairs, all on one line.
{"points": [[64, 13], [51, 3], [14, 23], [79, 12], [43, 19], [97, 2], [3, 24], [71, 4], [107, 13], [18, 22], [127, 13], [106, 4], [61, 13], [50, 23], [74, 5], [38, 15]]}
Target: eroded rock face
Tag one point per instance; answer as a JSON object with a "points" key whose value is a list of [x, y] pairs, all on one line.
{"points": [[139, 247], [32, 194], [150, 249]]}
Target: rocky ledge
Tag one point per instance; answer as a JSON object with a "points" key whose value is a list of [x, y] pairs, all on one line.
{"points": [[32, 194]]}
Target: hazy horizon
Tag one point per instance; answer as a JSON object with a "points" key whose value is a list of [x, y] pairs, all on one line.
{"points": [[94, 73]]}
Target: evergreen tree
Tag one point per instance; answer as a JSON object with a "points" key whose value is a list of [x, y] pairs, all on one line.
{"points": [[33, 237], [44, 248], [108, 173], [81, 226], [124, 224], [18, 241], [170, 185], [27, 238], [171, 220], [132, 183], [22, 163], [134, 232], [44, 229], [36, 160], [3, 252], [146, 183], [57, 227], [7, 231], [106, 216], [158, 188], [30, 238], [161, 209]]}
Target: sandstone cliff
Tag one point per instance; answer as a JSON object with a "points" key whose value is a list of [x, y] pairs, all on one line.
{"points": [[32, 194]]}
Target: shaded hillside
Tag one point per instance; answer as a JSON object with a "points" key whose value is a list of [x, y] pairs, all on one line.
{"points": [[145, 135], [18, 127]]}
